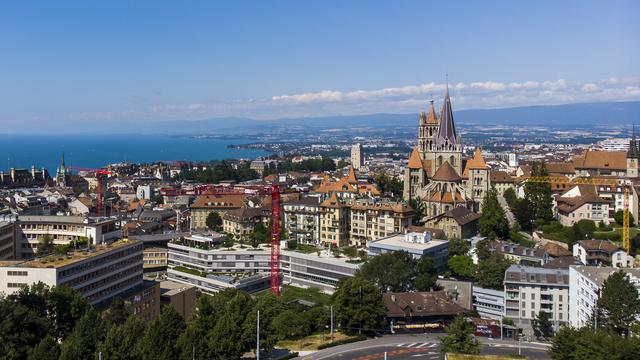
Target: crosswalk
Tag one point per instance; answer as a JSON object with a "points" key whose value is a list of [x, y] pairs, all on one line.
{"points": [[418, 345]]}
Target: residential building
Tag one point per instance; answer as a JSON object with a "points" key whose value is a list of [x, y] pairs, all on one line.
{"points": [[7, 240], [409, 308], [502, 181], [582, 203], [63, 230], [154, 258], [357, 156], [416, 244], [519, 254], [599, 163], [488, 303], [529, 290], [334, 221], [375, 218], [302, 220], [346, 187], [457, 223], [206, 204], [241, 222], [601, 253], [100, 273], [585, 284]]}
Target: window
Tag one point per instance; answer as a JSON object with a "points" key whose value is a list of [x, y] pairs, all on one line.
{"points": [[533, 314], [533, 296]]}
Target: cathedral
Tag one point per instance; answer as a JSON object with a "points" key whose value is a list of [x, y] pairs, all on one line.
{"points": [[437, 175]]}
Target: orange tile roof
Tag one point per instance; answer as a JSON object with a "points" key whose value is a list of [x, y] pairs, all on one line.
{"points": [[446, 173], [432, 118], [414, 159], [219, 201], [615, 160]]}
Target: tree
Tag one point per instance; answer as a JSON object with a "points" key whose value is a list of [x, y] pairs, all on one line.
{"points": [[289, 324], [418, 211], [270, 307], [358, 306], [482, 250], [493, 222], [82, 342], [426, 275], [618, 216], [389, 185], [584, 228], [227, 335], [394, 271], [20, 329], [117, 313], [160, 338], [511, 197], [121, 342], [47, 349], [491, 271], [542, 327], [525, 213], [259, 234], [45, 245], [586, 343], [214, 221], [459, 337], [619, 304], [458, 247], [539, 193], [462, 266]]}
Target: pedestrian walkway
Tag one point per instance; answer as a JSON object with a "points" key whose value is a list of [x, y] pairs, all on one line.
{"points": [[507, 211]]}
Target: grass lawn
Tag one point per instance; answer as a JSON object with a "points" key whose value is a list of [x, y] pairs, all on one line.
{"points": [[310, 342], [306, 248], [290, 293]]}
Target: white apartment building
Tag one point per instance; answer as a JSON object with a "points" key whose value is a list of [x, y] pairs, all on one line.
{"points": [[416, 244], [488, 303], [529, 290], [99, 273], [302, 220], [601, 253], [63, 230], [585, 283], [200, 261]]}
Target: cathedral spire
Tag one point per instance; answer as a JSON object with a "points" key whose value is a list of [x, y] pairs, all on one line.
{"points": [[447, 130], [432, 118], [634, 151]]}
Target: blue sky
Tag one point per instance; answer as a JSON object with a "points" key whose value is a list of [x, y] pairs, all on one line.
{"points": [[63, 62]]}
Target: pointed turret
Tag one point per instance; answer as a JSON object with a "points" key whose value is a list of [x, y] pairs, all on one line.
{"points": [[432, 118], [634, 151], [447, 130], [423, 117]]}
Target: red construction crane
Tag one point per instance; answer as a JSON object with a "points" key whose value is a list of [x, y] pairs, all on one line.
{"points": [[275, 240], [99, 175]]}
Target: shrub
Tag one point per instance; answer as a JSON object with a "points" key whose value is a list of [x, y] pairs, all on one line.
{"points": [[343, 341]]}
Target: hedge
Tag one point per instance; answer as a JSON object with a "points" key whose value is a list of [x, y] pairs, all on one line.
{"points": [[343, 341], [288, 356]]}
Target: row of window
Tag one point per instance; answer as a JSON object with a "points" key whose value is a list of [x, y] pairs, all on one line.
{"points": [[17, 273]]}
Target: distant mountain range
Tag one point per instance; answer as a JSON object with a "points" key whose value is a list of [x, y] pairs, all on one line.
{"points": [[570, 115]]}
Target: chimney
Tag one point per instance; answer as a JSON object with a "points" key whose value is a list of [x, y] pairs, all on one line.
{"points": [[33, 172]]}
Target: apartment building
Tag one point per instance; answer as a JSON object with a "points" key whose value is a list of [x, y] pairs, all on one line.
{"points": [[201, 261], [99, 273], [585, 284], [7, 241], [62, 230], [529, 290], [488, 303], [357, 156], [154, 258], [601, 253], [416, 244], [334, 221], [241, 222], [206, 204], [375, 218], [519, 254], [302, 220]]}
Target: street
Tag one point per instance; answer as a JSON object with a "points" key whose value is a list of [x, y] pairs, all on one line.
{"points": [[420, 346]]}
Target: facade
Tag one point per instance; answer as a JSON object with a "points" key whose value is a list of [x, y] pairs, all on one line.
{"points": [[502, 181], [302, 220], [601, 253], [488, 303], [357, 156], [240, 222], [63, 230], [371, 219], [601, 163], [347, 187], [154, 258], [582, 203], [7, 241], [100, 274], [182, 297], [205, 204], [529, 290], [142, 301], [520, 254], [200, 261], [585, 284], [419, 308], [334, 221], [18, 178], [416, 244], [457, 223]]}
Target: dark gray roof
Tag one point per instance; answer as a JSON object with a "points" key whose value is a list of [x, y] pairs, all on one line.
{"points": [[447, 129]]}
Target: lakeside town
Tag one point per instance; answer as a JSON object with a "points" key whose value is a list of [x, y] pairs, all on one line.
{"points": [[535, 243]]}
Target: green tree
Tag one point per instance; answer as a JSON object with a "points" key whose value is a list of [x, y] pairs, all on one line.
{"points": [[122, 340], [83, 340], [462, 266], [160, 339], [542, 327], [511, 197], [193, 341], [458, 247], [586, 343], [20, 329], [525, 213], [482, 250], [45, 245], [619, 304], [493, 222], [214, 221], [270, 307], [117, 313], [227, 335], [618, 216], [394, 271], [389, 185], [259, 234], [539, 194], [290, 324], [426, 274], [358, 306], [47, 349], [584, 229], [491, 271], [418, 211], [459, 337]]}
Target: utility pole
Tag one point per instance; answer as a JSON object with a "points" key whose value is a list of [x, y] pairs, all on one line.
{"points": [[331, 322], [501, 334], [258, 336], [520, 345]]}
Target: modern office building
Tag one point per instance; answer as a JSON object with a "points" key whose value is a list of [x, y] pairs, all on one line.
{"points": [[585, 284], [181, 296], [529, 290], [7, 241], [62, 230], [99, 273], [488, 303], [417, 244]]}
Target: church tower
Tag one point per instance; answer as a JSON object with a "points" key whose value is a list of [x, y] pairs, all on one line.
{"points": [[633, 155], [426, 131], [61, 174], [446, 143]]}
